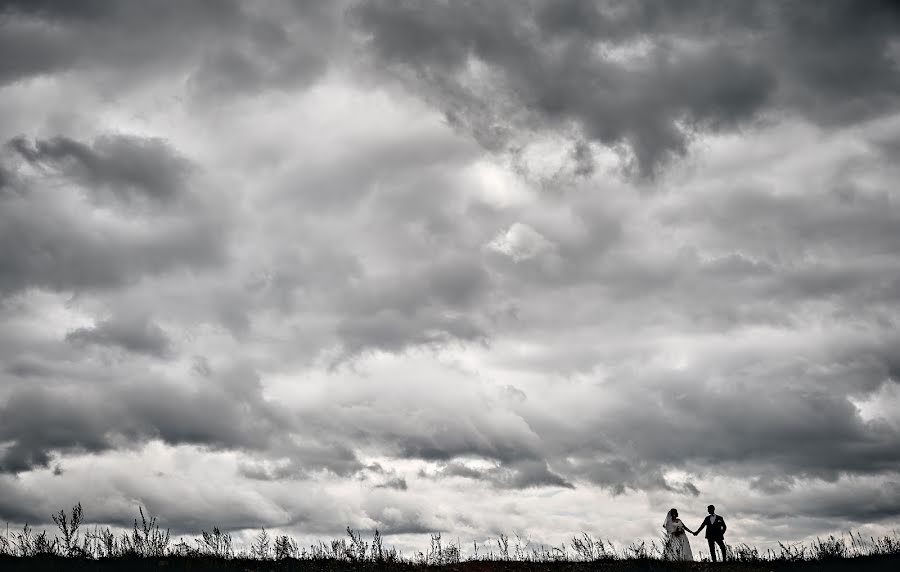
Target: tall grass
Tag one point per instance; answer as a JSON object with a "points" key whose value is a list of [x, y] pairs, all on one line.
{"points": [[146, 539]]}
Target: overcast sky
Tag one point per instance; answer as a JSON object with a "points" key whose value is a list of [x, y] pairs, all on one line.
{"points": [[474, 267]]}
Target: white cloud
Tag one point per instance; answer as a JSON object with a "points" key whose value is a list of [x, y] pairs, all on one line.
{"points": [[521, 242]]}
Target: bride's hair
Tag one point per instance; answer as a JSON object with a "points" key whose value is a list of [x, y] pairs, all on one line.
{"points": [[673, 513]]}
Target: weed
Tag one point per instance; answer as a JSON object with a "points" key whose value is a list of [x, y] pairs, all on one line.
{"points": [[285, 547], [216, 543], [503, 544], [589, 549], [25, 541], [146, 541], [829, 549], [69, 529]]}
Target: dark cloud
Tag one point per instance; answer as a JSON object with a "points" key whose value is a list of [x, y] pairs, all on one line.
{"points": [[390, 331], [52, 36], [57, 9], [820, 221], [11, 508], [515, 475], [431, 305], [124, 165], [391, 519], [39, 422], [50, 241], [25, 367], [302, 459], [856, 502], [806, 430], [135, 334], [452, 440], [641, 75], [619, 474], [839, 62], [287, 44], [397, 483]]}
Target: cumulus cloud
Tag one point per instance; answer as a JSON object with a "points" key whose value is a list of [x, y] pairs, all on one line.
{"points": [[521, 242]]}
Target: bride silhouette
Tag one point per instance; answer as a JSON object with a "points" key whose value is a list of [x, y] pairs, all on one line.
{"points": [[677, 546]]}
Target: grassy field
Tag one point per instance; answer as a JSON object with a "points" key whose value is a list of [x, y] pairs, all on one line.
{"points": [[148, 547], [202, 563]]}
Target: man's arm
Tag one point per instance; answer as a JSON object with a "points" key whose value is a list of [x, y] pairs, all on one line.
{"points": [[724, 526], [702, 526]]}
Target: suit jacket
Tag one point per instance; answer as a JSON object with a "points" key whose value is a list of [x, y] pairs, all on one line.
{"points": [[715, 531]]}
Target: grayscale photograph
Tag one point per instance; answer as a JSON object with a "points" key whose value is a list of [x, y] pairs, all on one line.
{"points": [[487, 285]]}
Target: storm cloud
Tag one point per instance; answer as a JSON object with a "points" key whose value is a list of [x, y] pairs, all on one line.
{"points": [[646, 76], [472, 267]]}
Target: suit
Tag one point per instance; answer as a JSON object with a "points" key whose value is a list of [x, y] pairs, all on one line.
{"points": [[715, 534]]}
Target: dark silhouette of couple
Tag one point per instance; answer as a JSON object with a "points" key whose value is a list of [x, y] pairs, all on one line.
{"points": [[677, 546]]}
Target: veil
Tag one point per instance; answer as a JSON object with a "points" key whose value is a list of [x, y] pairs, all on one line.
{"points": [[669, 524]]}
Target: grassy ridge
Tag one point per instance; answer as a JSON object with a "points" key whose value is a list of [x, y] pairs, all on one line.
{"points": [[877, 563], [147, 547]]}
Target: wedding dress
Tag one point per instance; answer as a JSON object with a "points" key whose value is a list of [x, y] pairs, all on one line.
{"points": [[677, 545]]}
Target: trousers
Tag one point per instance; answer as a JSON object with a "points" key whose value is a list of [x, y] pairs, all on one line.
{"points": [[712, 548]]}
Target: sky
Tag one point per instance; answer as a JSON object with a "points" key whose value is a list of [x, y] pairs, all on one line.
{"points": [[469, 267]]}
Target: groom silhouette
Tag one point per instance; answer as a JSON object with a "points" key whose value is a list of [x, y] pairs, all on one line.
{"points": [[715, 532]]}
